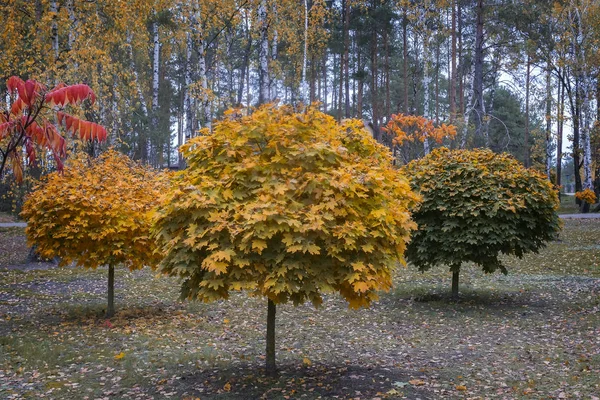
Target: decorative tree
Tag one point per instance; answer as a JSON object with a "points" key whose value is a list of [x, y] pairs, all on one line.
{"points": [[27, 123], [405, 129], [287, 206], [96, 213], [476, 205]]}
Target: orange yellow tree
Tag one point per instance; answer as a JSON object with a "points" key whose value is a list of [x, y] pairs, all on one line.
{"points": [[27, 122], [287, 206], [95, 213], [408, 129], [476, 206]]}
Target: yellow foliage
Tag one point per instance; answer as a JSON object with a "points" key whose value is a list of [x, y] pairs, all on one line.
{"points": [[586, 195], [286, 205], [96, 212]]}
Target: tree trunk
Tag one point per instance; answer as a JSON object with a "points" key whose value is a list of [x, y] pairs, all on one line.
{"points": [[455, 275], [374, 73], [559, 139], [274, 48], [346, 59], [426, 79], [263, 67], [386, 70], [527, 90], [155, 73], [548, 122], [478, 105], [54, 27], [206, 109], [361, 85], [245, 62], [405, 59], [304, 91], [325, 94], [453, 73], [110, 309], [187, 99], [271, 367]]}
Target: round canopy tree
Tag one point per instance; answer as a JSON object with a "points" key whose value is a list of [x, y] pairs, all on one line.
{"points": [[477, 205], [96, 212], [287, 206]]}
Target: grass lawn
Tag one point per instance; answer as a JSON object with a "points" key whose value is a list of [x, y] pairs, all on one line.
{"points": [[532, 334]]}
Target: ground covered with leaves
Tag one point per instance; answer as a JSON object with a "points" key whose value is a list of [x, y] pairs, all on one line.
{"points": [[534, 333]]}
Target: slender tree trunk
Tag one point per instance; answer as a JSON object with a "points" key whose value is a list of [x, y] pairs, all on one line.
{"points": [[110, 309], [304, 91], [155, 73], [426, 80], [54, 27], [347, 59], [374, 94], [455, 276], [187, 99], [206, 109], [461, 62], [263, 70], [405, 58], [325, 94], [560, 113], [548, 122], [479, 106], [527, 90], [452, 94], [271, 367], [437, 83], [361, 84], [468, 110], [245, 61], [274, 52], [386, 72]]}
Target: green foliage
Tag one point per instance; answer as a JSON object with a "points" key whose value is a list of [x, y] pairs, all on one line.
{"points": [[476, 205], [288, 206]]}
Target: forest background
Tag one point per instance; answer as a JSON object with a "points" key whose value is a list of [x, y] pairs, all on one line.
{"points": [[518, 76]]}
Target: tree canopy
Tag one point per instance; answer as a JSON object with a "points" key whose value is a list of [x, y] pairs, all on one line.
{"points": [[288, 206], [476, 206]]}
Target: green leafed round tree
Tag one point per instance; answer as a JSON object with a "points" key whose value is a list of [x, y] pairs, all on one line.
{"points": [[477, 205], [95, 213], [287, 206]]}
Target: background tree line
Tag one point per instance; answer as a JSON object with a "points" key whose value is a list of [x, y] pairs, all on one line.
{"points": [[511, 75]]}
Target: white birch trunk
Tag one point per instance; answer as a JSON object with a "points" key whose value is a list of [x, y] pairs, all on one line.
{"points": [[426, 83], [304, 84], [54, 27], [155, 73], [73, 28], [188, 108], [274, 54], [469, 108]]}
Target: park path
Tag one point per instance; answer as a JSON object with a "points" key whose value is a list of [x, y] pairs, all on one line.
{"points": [[565, 216], [13, 224]]}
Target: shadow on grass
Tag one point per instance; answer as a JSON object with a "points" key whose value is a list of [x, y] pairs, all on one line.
{"points": [[248, 381]]}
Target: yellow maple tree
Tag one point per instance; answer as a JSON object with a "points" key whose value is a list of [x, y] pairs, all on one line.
{"points": [[288, 206], [96, 213]]}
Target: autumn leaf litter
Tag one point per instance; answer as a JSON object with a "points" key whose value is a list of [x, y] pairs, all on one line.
{"points": [[534, 333]]}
